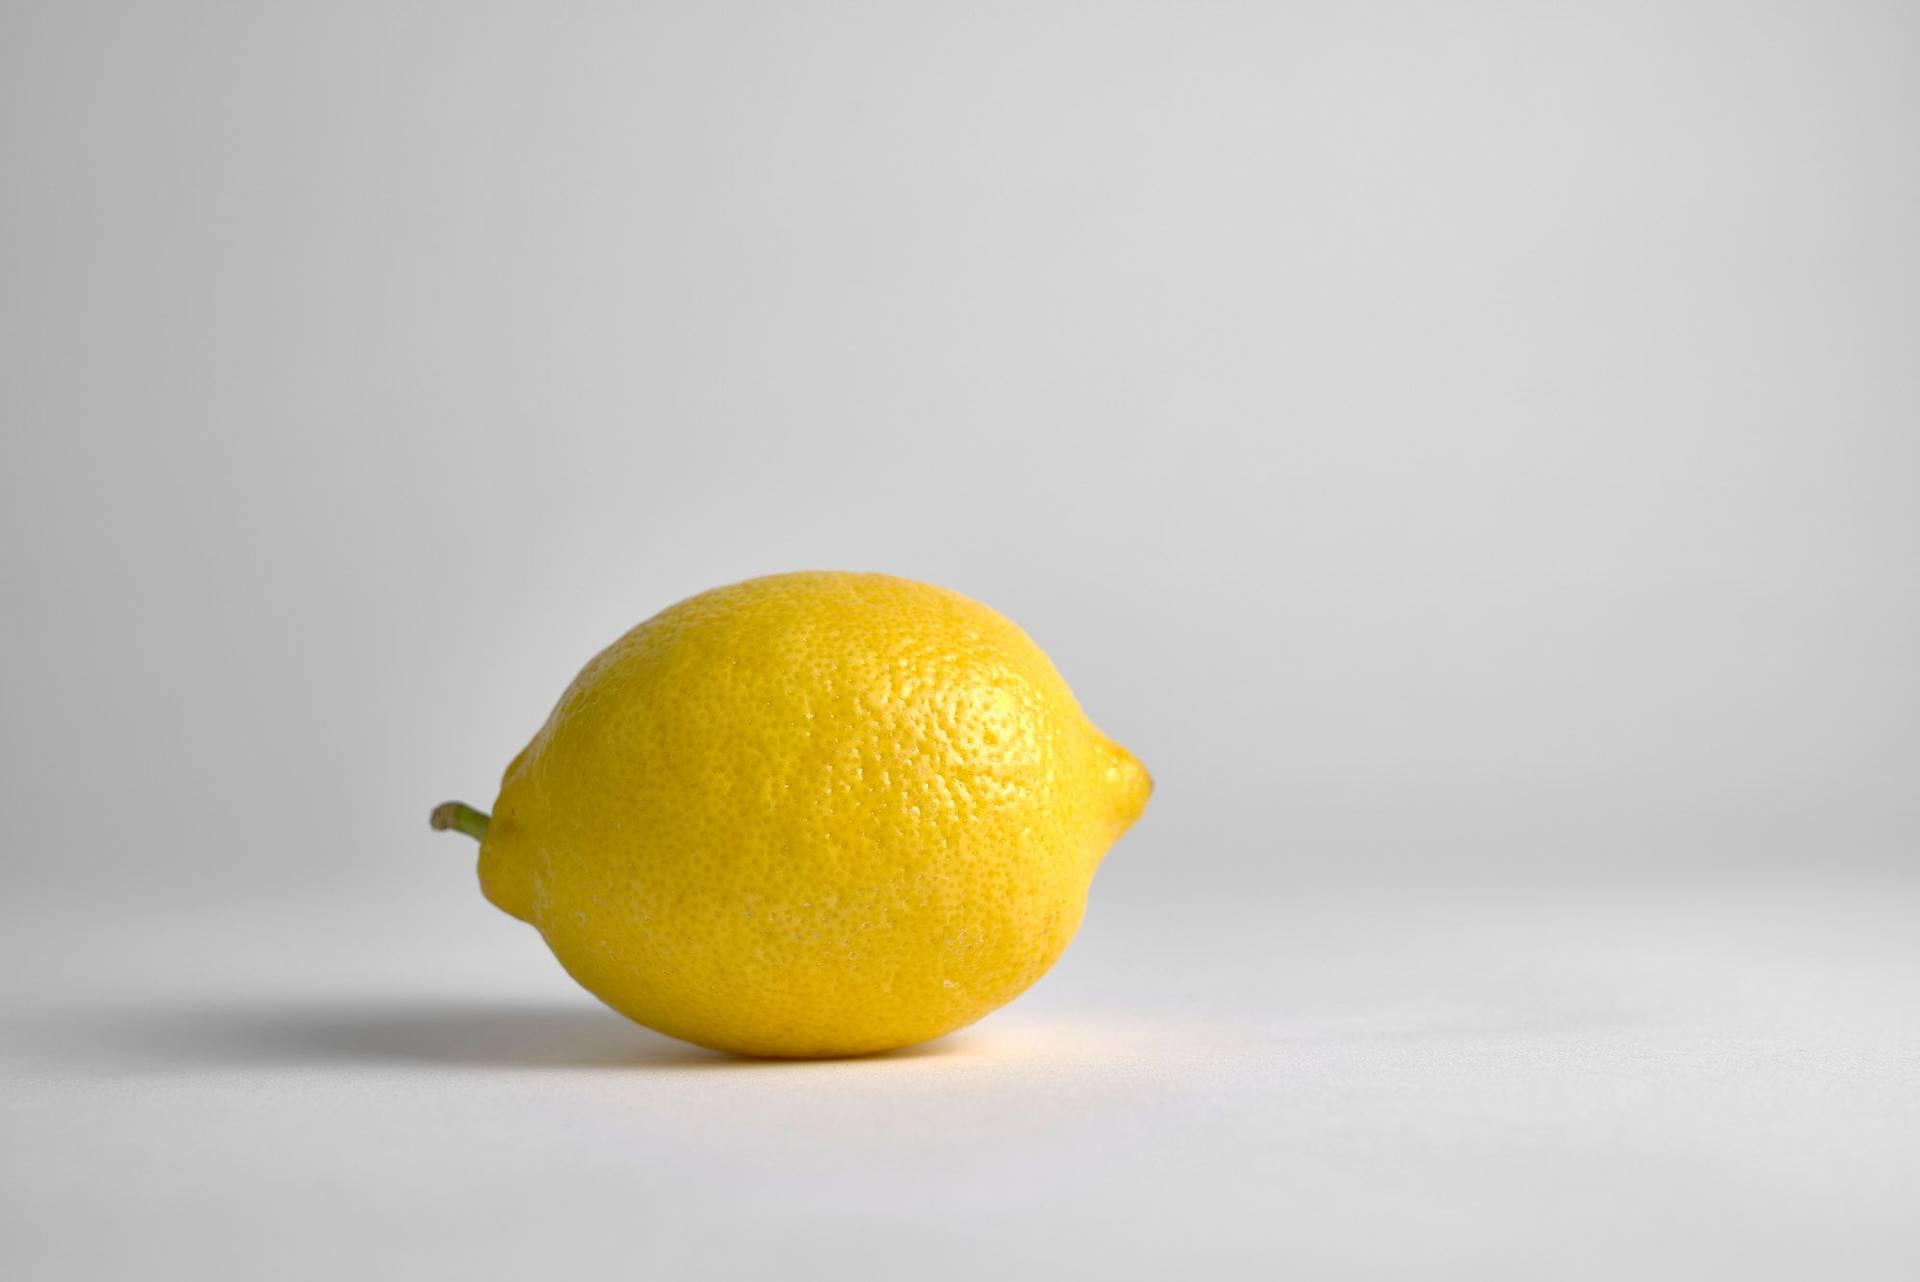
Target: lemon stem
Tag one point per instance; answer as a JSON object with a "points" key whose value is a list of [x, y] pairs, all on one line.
{"points": [[460, 817]]}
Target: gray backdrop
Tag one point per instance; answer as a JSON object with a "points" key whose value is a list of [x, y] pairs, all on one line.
{"points": [[1443, 441], [1467, 446]]}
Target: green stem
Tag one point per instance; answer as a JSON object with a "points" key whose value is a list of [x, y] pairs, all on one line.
{"points": [[460, 817]]}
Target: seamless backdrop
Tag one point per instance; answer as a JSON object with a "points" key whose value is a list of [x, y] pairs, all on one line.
{"points": [[1467, 448], [1456, 442]]}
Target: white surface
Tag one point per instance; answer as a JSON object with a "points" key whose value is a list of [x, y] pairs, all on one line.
{"points": [[1599, 1083]]}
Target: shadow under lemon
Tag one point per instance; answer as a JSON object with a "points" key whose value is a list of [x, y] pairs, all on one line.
{"points": [[209, 1036]]}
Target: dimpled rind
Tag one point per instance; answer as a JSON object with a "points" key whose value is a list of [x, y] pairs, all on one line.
{"points": [[812, 814]]}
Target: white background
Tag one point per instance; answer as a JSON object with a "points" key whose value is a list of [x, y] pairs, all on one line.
{"points": [[1467, 451]]}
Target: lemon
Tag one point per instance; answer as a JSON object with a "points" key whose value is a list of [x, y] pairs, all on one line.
{"points": [[809, 815]]}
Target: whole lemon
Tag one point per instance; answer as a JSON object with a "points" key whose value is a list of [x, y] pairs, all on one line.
{"points": [[808, 815]]}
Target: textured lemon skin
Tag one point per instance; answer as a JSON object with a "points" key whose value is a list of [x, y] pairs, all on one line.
{"points": [[809, 815]]}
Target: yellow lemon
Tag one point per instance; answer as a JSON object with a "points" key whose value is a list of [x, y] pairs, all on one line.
{"points": [[807, 815]]}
